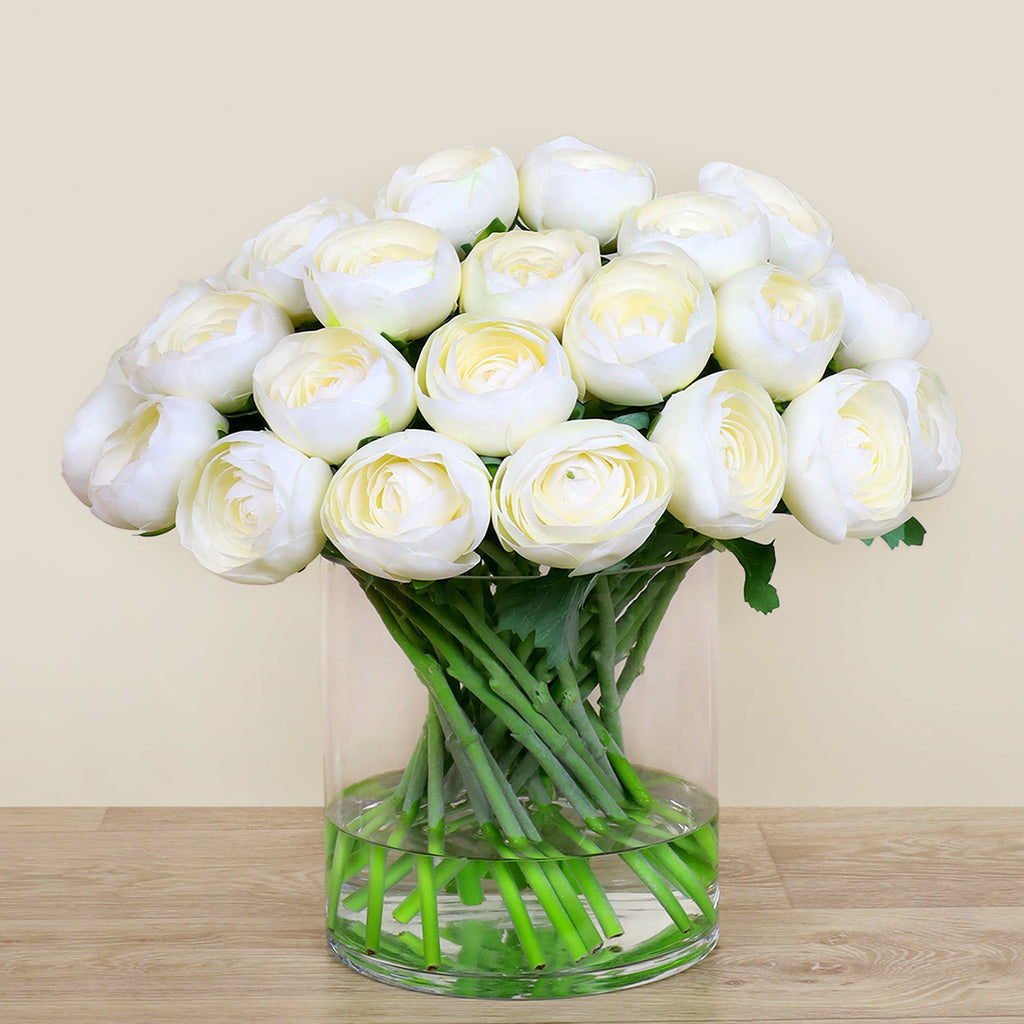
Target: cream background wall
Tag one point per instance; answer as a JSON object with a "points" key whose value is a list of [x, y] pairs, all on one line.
{"points": [[146, 141]]}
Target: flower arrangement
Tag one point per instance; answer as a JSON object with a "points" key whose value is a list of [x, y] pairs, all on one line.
{"points": [[518, 405]]}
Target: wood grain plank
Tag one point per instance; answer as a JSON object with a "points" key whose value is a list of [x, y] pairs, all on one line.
{"points": [[160, 819], [50, 819], [947, 860], [815, 965], [747, 872], [166, 915]]}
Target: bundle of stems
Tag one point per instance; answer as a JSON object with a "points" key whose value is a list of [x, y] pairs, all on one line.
{"points": [[526, 751]]}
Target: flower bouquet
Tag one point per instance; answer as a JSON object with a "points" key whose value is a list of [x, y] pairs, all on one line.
{"points": [[515, 409]]}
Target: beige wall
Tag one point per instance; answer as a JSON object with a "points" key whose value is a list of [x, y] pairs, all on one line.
{"points": [[151, 139]]}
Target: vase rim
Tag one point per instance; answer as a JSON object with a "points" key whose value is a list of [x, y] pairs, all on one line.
{"points": [[510, 578]]}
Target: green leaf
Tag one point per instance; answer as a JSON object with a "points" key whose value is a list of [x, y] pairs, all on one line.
{"points": [[910, 533], [394, 341], [549, 608], [578, 412], [494, 228], [466, 248], [155, 533], [641, 420], [492, 462], [758, 562]]}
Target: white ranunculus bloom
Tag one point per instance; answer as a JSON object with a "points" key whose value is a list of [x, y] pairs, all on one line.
{"points": [[411, 506], [457, 192], [802, 240], [325, 391], [94, 421], [642, 327], [249, 509], [134, 483], [778, 328], [493, 383], [934, 446], [727, 444], [204, 344], [395, 276], [529, 275], [274, 261], [879, 321], [725, 236], [848, 469], [581, 495], [566, 183]]}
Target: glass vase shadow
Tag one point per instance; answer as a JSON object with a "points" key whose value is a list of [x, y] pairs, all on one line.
{"points": [[505, 821]]}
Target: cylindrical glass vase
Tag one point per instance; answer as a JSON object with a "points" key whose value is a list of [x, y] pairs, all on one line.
{"points": [[520, 778]]}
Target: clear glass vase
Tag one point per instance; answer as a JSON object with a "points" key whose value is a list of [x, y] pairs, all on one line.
{"points": [[520, 777]]}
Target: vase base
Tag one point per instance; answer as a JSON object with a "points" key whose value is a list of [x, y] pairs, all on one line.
{"points": [[610, 971]]}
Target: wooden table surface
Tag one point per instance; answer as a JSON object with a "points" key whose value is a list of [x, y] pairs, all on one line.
{"points": [[213, 915]]}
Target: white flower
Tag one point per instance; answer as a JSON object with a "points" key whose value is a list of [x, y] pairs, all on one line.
{"points": [[394, 276], [727, 444], [725, 236], [879, 321], [325, 391], [529, 275], [580, 495], [411, 506], [275, 261], [457, 192], [94, 421], [566, 183], [249, 509], [802, 240], [642, 327], [848, 470], [493, 383], [934, 447], [778, 328], [204, 344], [134, 484]]}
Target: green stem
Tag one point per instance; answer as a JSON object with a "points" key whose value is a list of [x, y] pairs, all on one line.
{"points": [[428, 914], [410, 906], [435, 781], [673, 576], [604, 659], [395, 872], [467, 739], [517, 911], [375, 897], [470, 889], [409, 792], [596, 897], [683, 875], [342, 849], [661, 892]]}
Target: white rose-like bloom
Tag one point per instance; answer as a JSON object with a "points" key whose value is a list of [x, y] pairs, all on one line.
{"points": [[725, 236], [528, 275], [879, 321], [802, 240], [249, 509], [94, 421], [204, 344], [642, 327], [325, 391], [134, 484], [934, 446], [411, 506], [274, 261], [493, 383], [395, 276], [457, 192], [566, 183], [581, 495], [778, 328], [727, 444], [848, 467]]}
